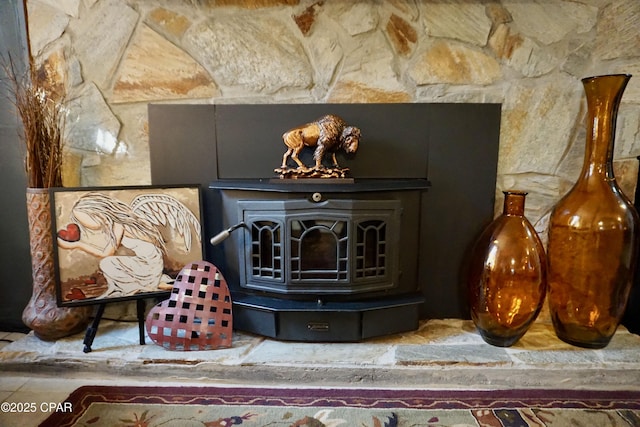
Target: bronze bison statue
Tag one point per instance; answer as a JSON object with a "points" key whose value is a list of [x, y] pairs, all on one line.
{"points": [[326, 136]]}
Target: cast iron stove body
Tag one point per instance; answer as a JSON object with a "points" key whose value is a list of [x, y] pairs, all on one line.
{"points": [[323, 261]]}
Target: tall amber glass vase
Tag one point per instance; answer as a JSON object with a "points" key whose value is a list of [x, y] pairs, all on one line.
{"points": [[593, 232], [507, 275]]}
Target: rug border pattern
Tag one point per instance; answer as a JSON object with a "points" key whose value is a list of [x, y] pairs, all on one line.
{"points": [[367, 398]]}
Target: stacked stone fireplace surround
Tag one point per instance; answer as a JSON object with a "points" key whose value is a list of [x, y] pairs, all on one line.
{"points": [[115, 57]]}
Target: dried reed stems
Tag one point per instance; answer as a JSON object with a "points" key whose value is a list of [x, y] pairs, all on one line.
{"points": [[42, 115]]}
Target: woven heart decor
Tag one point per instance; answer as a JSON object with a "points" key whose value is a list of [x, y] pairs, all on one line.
{"points": [[197, 315]]}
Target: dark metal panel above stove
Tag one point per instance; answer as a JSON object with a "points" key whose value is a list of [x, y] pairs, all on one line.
{"points": [[394, 140]]}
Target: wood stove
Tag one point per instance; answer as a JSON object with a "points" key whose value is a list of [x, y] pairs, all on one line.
{"points": [[392, 242], [321, 261]]}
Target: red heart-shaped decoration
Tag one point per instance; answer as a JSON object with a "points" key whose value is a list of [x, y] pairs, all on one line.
{"points": [[197, 315], [75, 294], [71, 233]]}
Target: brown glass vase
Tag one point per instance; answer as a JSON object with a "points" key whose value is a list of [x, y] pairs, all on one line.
{"points": [[593, 232], [507, 275], [42, 314]]}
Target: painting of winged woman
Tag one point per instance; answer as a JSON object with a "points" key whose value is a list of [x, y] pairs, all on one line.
{"points": [[124, 243]]}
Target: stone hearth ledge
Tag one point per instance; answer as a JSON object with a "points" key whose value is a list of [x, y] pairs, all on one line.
{"points": [[440, 354]]}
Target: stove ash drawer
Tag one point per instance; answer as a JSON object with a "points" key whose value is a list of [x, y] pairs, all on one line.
{"points": [[340, 322], [320, 326]]}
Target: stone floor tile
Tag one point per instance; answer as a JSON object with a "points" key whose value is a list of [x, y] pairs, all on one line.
{"points": [[11, 383], [276, 352], [623, 339], [241, 346], [617, 356], [7, 338], [462, 354], [559, 358], [22, 420], [30, 347], [14, 336], [439, 331]]}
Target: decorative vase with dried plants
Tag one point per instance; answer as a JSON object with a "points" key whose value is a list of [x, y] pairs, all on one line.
{"points": [[41, 110]]}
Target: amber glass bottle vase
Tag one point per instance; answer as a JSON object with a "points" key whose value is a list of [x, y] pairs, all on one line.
{"points": [[507, 275], [593, 232]]}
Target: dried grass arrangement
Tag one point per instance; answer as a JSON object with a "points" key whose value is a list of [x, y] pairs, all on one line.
{"points": [[43, 117]]}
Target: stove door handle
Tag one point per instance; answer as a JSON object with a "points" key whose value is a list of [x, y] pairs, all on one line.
{"points": [[220, 237]]}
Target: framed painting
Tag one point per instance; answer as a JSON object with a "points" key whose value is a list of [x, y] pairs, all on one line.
{"points": [[121, 243]]}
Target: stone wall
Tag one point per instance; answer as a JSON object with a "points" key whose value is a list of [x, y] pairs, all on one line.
{"points": [[113, 57]]}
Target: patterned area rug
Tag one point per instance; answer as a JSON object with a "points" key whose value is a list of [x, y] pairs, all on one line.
{"points": [[305, 407]]}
